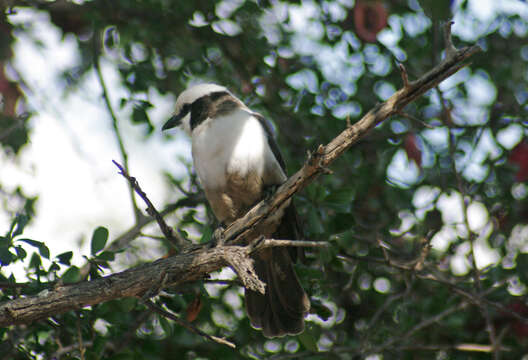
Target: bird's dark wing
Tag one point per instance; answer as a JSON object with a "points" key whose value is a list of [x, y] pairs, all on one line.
{"points": [[271, 140], [281, 310]]}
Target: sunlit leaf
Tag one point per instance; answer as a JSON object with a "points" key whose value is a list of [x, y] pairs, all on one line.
{"points": [[42, 248], [72, 275], [99, 238]]}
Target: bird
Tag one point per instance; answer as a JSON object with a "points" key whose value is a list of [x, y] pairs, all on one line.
{"points": [[237, 162]]}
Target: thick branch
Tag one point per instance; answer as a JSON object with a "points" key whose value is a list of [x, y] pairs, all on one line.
{"points": [[135, 282]]}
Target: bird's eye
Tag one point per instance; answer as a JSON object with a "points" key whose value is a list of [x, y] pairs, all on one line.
{"points": [[186, 108]]}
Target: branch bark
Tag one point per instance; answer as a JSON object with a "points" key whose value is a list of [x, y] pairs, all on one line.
{"points": [[139, 281], [194, 264]]}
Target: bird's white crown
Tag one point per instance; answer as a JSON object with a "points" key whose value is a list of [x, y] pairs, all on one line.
{"points": [[192, 94], [195, 92]]}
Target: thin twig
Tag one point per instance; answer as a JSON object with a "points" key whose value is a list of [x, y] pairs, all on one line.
{"points": [[187, 325], [176, 239], [66, 349], [403, 73], [463, 347], [426, 247], [9, 285], [223, 282], [131, 332], [423, 324], [473, 298], [384, 307], [117, 133], [152, 237], [82, 349], [414, 118], [450, 48], [459, 347], [126, 237], [291, 243], [472, 236]]}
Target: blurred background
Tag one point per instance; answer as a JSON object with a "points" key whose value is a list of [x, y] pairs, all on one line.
{"points": [[427, 216]]}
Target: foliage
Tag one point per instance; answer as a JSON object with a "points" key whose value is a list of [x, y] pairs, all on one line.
{"points": [[450, 173]]}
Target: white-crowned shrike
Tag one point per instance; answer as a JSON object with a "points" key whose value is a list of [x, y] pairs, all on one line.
{"points": [[237, 159]]}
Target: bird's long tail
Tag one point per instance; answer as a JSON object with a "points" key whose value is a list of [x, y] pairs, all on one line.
{"points": [[281, 310]]}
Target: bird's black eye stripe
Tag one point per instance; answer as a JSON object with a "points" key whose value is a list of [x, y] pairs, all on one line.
{"points": [[208, 106], [185, 109], [176, 119]]}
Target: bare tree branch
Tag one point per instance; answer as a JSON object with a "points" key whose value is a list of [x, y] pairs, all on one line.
{"points": [[176, 239], [136, 282], [450, 52], [187, 325], [324, 156]]}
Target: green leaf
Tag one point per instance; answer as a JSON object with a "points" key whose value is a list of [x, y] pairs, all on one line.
{"points": [[128, 304], [65, 258], [522, 267], [436, 10], [341, 199], [35, 261], [21, 222], [42, 248], [18, 137], [123, 102], [6, 257], [207, 234], [144, 104], [139, 115], [99, 238], [314, 222], [109, 38], [308, 340], [165, 325], [99, 345], [21, 253], [72, 275], [106, 256], [321, 309], [44, 251], [306, 272], [327, 254], [54, 267]]}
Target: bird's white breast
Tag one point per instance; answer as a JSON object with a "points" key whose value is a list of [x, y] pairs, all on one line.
{"points": [[231, 144]]}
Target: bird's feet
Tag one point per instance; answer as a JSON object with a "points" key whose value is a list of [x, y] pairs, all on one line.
{"points": [[218, 235], [269, 190]]}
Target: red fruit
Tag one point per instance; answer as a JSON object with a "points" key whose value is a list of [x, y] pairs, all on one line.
{"points": [[519, 156], [410, 144], [520, 328], [10, 93], [370, 18], [194, 309]]}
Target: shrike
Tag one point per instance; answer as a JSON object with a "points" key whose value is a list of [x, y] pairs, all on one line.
{"points": [[237, 159]]}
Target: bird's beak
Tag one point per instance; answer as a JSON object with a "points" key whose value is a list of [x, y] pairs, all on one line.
{"points": [[172, 122]]}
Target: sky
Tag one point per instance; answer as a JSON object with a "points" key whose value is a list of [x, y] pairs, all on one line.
{"points": [[68, 162]]}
